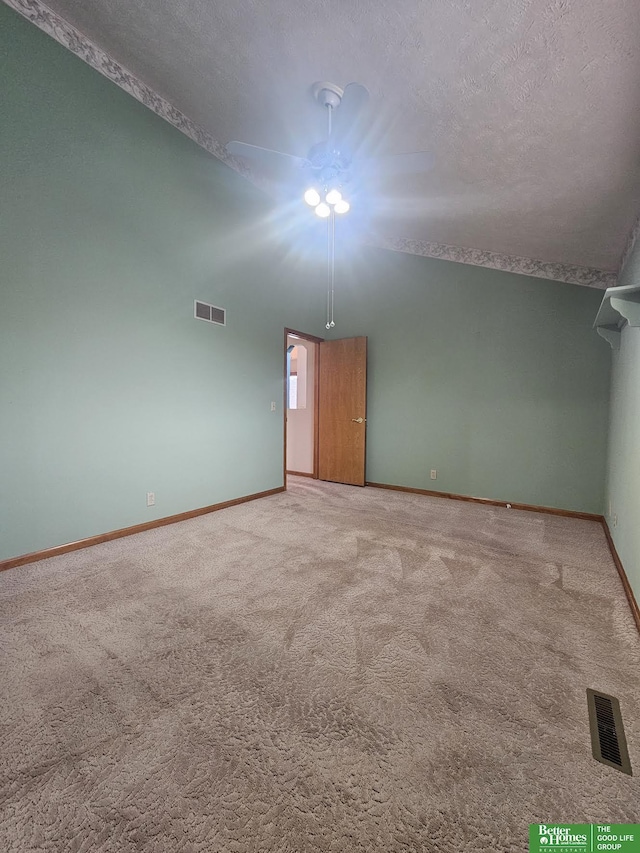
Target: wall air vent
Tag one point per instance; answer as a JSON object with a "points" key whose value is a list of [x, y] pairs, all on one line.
{"points": [[210, 313], [608, 742]]}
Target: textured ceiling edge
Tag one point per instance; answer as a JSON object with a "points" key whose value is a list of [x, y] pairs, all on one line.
{"points": [[634, 234], [570, 273], [69, 37]]}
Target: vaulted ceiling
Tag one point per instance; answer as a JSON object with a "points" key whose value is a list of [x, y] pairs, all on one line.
{"points": [[530, 107]]}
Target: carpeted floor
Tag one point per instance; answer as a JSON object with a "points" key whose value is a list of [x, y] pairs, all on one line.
{"points": [[329, 669]]}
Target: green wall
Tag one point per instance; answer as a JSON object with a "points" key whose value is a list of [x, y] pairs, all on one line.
{"points": [[496, 380], [623, 470], [111, 223]]}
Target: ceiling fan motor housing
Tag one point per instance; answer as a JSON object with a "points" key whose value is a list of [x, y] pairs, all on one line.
{"points": [[324, 158], [328, 94]]}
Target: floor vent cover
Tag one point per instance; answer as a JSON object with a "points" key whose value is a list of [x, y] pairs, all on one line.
{"points": [[608, 742]]}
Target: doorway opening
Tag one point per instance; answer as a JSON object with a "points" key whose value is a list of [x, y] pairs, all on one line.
{"points": [[325, 405], [301, 404]]}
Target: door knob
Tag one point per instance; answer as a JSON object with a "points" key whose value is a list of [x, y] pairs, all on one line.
{"points": [[357, 420]]}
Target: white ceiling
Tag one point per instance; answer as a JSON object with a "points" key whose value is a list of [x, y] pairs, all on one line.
{"points": [[531, 107]]}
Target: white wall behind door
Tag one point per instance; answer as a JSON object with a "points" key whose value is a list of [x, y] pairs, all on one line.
{"points": [[300, 421]]}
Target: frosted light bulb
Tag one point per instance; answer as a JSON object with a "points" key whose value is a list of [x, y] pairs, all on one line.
{"points": [[342, 206], [333, 197], [323, 210], [312, 197]]}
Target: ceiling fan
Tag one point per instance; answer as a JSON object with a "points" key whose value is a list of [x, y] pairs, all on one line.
{"points": [[333, 169]]}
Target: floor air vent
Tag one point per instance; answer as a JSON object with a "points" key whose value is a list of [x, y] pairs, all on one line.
{"points": [[210, 313], [608, 742]]}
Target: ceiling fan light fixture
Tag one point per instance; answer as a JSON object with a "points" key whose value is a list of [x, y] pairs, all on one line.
{"points": [[328, 167], [312, 197]]}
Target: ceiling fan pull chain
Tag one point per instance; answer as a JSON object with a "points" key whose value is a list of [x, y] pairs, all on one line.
{"points": [[331, 233], [331, 267], [332, 249], [328, 324]]}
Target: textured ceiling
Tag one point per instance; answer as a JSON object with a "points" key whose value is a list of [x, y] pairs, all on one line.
{"points": [[531, 107]]}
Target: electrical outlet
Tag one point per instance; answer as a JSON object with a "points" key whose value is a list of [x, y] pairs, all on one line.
{"points": [[151, 498], [434, 474], [273, 405], [615, 520]]}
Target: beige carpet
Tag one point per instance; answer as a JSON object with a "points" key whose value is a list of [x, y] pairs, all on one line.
{"points": [[329, 669]]}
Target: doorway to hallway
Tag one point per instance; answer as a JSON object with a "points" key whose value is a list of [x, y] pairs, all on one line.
{"points": [[325, 408], [301, 404]]}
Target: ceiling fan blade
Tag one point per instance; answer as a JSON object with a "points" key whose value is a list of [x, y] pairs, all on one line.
{"points": [[388, 165], [346, 130], [275, 163]]}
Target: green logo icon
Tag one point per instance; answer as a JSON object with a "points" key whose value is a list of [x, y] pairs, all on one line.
{"points": [[584, 837]]}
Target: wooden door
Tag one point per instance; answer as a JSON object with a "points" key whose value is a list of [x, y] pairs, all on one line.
{"points": [[342, 410]]}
